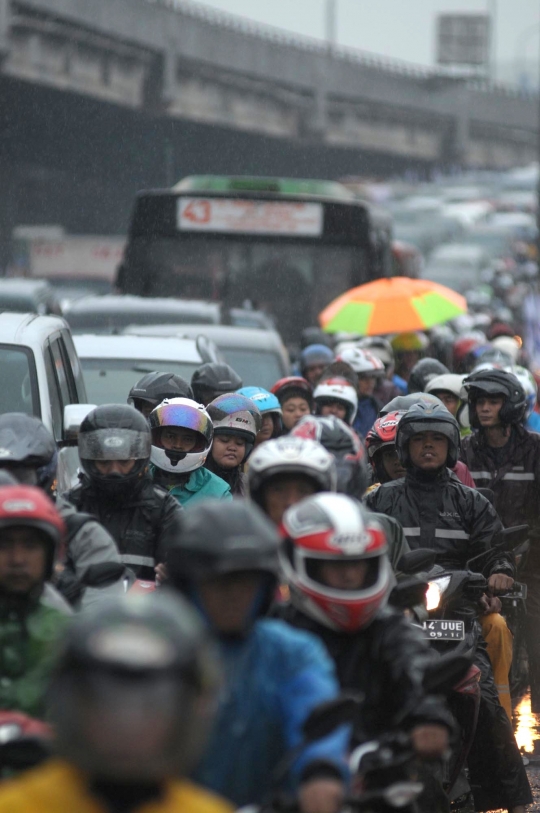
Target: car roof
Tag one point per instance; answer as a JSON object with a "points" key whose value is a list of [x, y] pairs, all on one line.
{"points": [[22, 286], [119, 303], [459, 251], [145, 348], [23, 328], [223, 335]]}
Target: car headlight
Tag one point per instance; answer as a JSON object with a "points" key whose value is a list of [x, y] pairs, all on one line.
{"points": [[435, 591]]}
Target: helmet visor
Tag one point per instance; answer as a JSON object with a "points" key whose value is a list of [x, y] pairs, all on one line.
{"points": [[181, 415], [114, 444]]}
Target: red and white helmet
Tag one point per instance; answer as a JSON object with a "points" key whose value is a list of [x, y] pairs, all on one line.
{"points": [[334, 528], [362, 361], [383, 432], [337, 389]]}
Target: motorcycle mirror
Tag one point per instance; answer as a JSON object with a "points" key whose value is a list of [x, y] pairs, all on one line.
{"points": [[510, 538], [326, 717], [102, 574], [488, 493], [416, 560], [442, 674], [408, 594]]}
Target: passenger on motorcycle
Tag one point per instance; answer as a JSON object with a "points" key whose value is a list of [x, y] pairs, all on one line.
{"points": [[182, 435], [213, 379], [295, 396], [226, 562], [28, 452], [236, 421], [336, 396], [154, 388], [334, 558], [457, 522], [448, 389], [314, 359], [408, 349], [270, 409], [381, 448], [31, 621], [505, 457], [422, 373], [391, 385], [369, 369], [131, 702], [284, 471], [116, 487]]}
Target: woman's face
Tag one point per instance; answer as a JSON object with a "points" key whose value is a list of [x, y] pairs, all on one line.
{"points": [[293, 410], [228, 451]]}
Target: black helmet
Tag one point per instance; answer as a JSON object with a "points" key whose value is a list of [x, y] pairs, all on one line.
{"points": [[134, 663], [154, 388], [212, 379], [115, 432], [496, 382], [27, 444], [401, 403], [342, 442], [423, 371], [220, 538], [424, 417]]}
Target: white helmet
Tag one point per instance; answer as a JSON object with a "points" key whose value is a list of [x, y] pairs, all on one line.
{"points": [[362, 361], [186, 414], [291, 455], [530, 387], [449, 382], [508, 345], [337, 389]]}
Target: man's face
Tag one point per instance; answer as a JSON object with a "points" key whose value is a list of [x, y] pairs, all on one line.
{"points": [[284, 491], [334, 408], [267, 429], [428, 450], [346, 575], [107, 467], [227, 600], [23, 559], [366, 385], [178, 439], [392, 464], [314, 372], [450, 400], [488, 408], [293, 410]]}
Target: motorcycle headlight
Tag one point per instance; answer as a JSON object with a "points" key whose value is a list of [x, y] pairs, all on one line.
{"points": [[435, 591]]}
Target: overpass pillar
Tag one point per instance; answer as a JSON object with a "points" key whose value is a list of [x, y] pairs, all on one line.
{"points": [[462, 127]]}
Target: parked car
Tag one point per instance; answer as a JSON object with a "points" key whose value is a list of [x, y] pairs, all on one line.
{"points": [[42, 376], [258, 356], [460, 266], [28, 296], [112, 364]]}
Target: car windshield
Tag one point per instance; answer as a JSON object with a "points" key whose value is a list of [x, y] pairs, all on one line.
{"points": [[18, 374], [104, 322], [108, 381], [256, 368], [456, 275]]}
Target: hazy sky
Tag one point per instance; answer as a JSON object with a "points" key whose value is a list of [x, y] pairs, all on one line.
{"points": [[403, 29]]}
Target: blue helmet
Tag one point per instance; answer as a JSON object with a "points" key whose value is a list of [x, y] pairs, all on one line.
{"points": [[315, 354], [267, 403]]}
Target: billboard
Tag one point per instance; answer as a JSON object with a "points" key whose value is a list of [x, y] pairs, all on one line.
{"points": [[463, 39]]}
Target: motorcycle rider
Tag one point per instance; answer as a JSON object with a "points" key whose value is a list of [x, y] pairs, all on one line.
{"points": [[448, 388], [369, 369], [295, 396], [391, 385], [182, 435], [284, 471], [116, 487], [336, 396], [28, 452], [270, 409], [314, 359], [236, 421], [131, 701], [212, 379], [438, 512], [505, 457], [31, 532], [408, 349], [423, 371], [334, 558], [153, 388], [226, 562]]}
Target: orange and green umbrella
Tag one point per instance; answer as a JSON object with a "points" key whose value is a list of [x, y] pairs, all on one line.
{"points": [[395, 305]]}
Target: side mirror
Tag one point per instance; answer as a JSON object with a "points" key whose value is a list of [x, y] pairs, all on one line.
{"points": [[416, 561], [328, 716], [510, 538], [74, 415], [407, 594]]}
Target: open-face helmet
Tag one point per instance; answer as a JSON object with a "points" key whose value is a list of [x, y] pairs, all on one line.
{"points": [[381, 436], [294, 386], [186, 414], [495, 382], [381, 348], [234, 414], [336, 389], [315, 355], [401, 403], [424, 417], [363, 362], [530, 387], [267, 404], [334, 529], [114, 432]]}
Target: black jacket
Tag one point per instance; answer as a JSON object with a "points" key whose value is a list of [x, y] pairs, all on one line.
{"points": [[438, 512], [385, 663], [513, 474], [143, 527]]}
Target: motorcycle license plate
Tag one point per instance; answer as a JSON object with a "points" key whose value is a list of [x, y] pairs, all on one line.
{"points": [[444, 630]]}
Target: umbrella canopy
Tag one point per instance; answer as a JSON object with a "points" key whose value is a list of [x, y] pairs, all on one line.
{"points": [[395, 305]]}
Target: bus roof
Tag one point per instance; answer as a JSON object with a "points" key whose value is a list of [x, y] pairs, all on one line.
{"points": [[247, 183]]}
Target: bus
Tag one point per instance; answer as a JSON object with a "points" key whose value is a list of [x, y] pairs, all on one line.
{"points": [[287, 247]]}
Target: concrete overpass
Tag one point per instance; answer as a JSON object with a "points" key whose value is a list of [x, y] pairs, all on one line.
{"points": [[101, 97]]}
